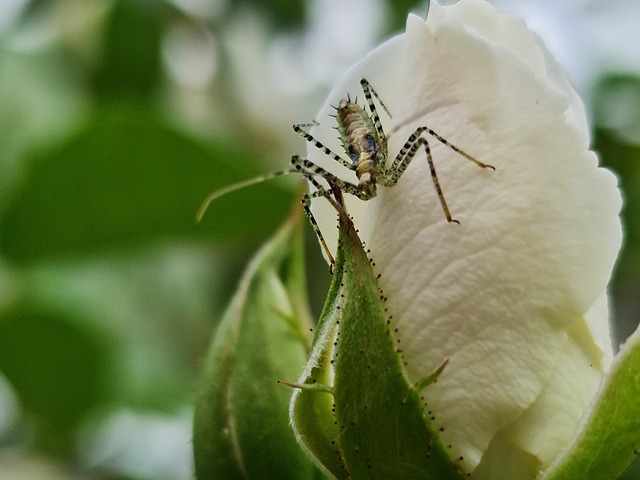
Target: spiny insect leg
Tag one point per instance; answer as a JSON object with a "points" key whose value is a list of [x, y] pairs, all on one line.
{"points": [[306, 204], [445, 142], [402, 162], [299, 129], [306, 125], [302, 164], [366, 86], [237, 186], [322, 191], [368, 92]]}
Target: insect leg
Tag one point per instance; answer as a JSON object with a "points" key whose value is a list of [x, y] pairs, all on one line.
{"points": [[402, 161], [322, 191], [369, 93], [306, 204], [445, 142], [237, 186], [299, 128], [310, 168], [366, 87]]}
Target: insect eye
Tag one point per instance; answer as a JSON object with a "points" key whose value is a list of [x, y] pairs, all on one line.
{"points": [[371, 144], [354, 151]]}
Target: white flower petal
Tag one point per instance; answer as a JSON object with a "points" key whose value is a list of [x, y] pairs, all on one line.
{"points": [[538, 237], [548, 425], [597, 319], [504, 460], [511, 32]]}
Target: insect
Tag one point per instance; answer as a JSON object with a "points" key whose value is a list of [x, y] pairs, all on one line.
{"points": [[365, 144]]}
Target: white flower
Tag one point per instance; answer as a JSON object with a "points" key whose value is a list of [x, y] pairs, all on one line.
{"points": [[514, 296]]}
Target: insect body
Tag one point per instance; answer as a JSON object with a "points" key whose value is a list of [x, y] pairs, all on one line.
{"points": [[365, 143], [361, 140]]}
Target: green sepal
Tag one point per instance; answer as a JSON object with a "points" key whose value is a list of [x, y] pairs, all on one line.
{"points": [[241, 427], [375, 424], [610, 437]]}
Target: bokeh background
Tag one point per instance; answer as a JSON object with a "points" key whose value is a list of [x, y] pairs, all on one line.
{"points": [[117, 118]]}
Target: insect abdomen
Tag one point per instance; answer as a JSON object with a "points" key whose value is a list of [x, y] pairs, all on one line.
{"points": [[359, 140]]}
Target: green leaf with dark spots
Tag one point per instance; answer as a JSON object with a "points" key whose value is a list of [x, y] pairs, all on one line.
{"points": [[373, 424]]}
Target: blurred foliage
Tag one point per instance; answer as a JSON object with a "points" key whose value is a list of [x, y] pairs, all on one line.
{"points": [[130, 65], [58, 367], [616, 101], [282, 13], [127, 179], [109, 290]]}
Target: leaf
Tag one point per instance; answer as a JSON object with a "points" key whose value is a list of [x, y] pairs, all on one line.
{"points": [[374, 423], [130, 66], [58, 369], [607, 442], [241, 429], [128, 179]]}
